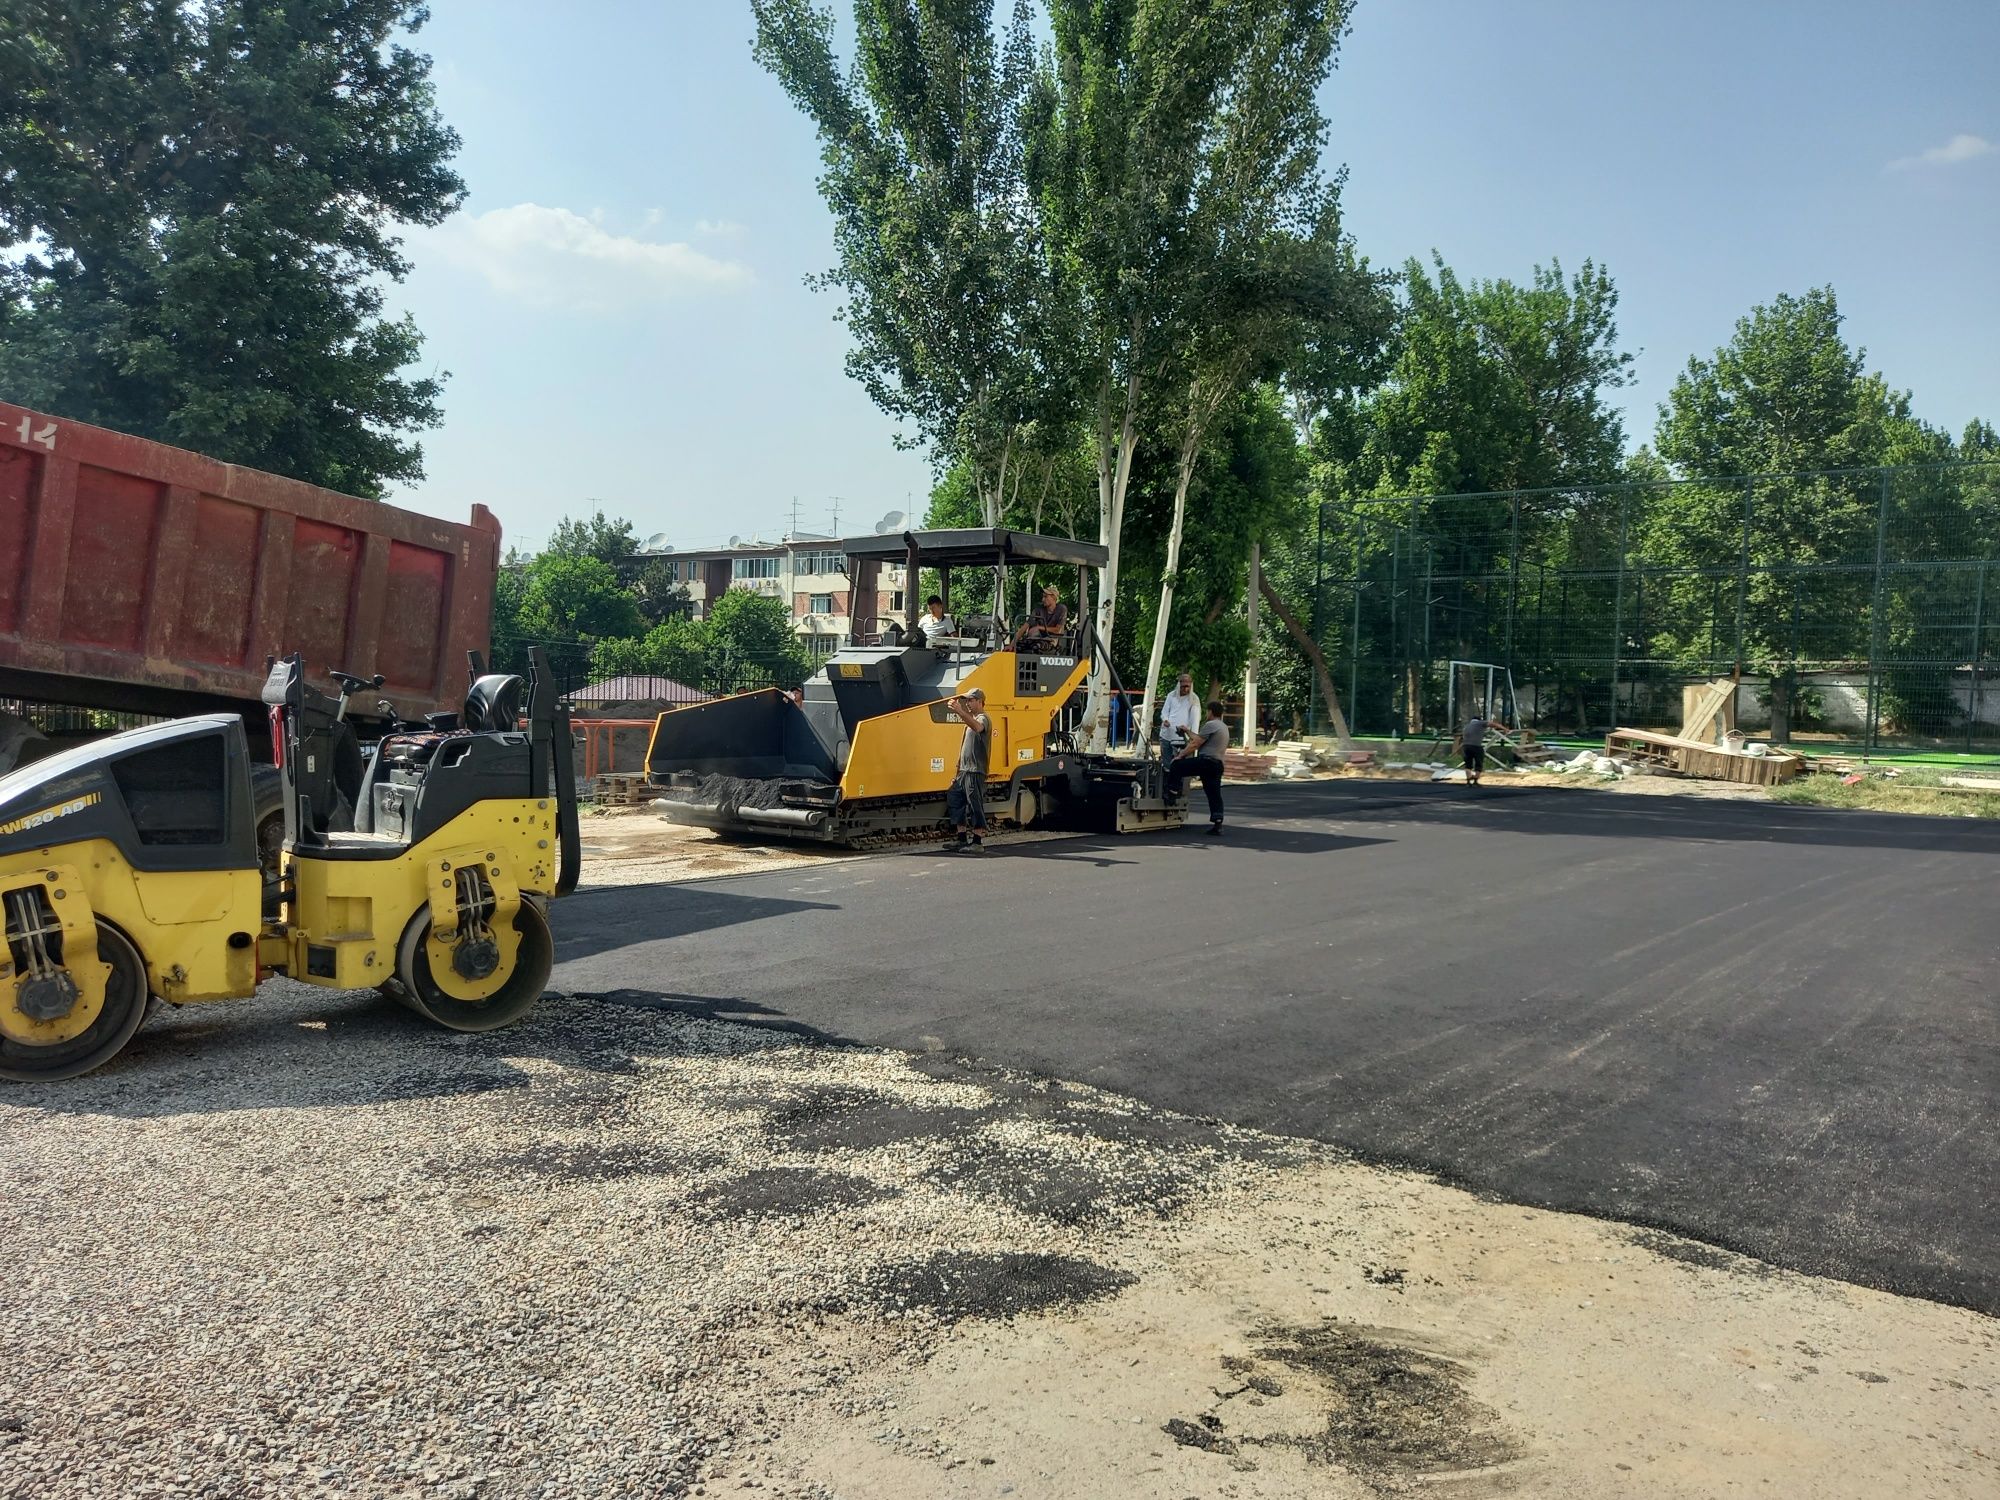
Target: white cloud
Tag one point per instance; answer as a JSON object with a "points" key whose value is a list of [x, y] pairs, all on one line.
{"points": [[555, 257], [719, 228], [1959, 148]]}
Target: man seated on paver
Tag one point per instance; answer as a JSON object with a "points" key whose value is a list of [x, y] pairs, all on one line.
{"points": [[935, 621], [1203, 758], [965, 803], [1180, 713], [1045, 627]]}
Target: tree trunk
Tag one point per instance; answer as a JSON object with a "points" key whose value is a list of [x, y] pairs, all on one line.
{"points": [[1112, 480], [1190, 446], [1781, 707], [1311, 648]]}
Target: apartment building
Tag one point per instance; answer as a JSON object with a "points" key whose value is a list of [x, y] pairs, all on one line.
{"points": [[807, 572]]}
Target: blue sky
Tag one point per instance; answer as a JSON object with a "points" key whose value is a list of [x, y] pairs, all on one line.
{"points": [[622, 305]]}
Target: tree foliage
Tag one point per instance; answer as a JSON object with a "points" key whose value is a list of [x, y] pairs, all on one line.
{"points": [[200, 198], [956, 324]]}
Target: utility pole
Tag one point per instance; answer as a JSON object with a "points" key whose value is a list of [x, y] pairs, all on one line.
{"points": [[1250, 666]]}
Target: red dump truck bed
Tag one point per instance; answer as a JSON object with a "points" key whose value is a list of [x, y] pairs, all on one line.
{"points": [[146, 578]]}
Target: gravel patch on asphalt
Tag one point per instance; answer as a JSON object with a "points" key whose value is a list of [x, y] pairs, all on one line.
{"points": [[313, 1247]]}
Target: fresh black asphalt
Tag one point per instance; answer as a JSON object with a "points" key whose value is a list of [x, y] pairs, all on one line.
{"points": [[1771, 1028]]}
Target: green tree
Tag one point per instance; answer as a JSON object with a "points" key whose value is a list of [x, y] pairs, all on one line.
{"points": [[955, 324], [1787, 399], [1149, 127], [1489, 386], [200, 199], [569, 598], [677, 648], [597, 535], [751, 641]]}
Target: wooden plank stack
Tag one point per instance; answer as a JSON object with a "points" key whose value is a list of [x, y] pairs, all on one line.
{"points": [[1692, 757], [621, 789]]}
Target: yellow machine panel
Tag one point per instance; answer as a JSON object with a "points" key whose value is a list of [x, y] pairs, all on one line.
{"points": [[196, 929], [914, 751]]}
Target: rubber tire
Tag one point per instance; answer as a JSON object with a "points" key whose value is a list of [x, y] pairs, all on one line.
{"points": [[126, 997], [535, 961]]}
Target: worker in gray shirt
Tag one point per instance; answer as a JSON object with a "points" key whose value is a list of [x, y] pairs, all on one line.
{"points": [[965, 803], [1203, 758], [1473, 739]]}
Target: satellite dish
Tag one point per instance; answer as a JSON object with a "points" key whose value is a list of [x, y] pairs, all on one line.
{"points": [[663, 551], [736, 541], [657, 542], [891, 522]]}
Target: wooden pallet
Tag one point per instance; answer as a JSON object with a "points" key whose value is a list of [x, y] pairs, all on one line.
{"points": [[1688, 757], [621, 789]]}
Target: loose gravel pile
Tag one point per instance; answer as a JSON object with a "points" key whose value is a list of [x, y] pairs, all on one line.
{"points": [[315, 1247]]}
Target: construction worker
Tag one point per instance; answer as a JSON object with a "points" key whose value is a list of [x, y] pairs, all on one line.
{"points": [[965, 803], [935, 622], [1473, 739], [1045, 627], [1180, 712], [1203, 757]]}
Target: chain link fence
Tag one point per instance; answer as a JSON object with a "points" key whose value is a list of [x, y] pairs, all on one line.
{"points": [[1858, 606]]}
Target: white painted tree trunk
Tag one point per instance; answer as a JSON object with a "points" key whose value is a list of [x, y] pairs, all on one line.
{"points": [[1189, 447], [1112, 479], [1250, 666]]}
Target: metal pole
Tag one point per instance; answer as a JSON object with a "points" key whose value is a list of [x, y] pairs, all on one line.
{"points": [[1319, 573], [1513, 580], [1250, 667], [1354, 644], [1618, 605], [1978, 645], [1743, 577], [1396, 631], [1430, 564], [1875, 622]]}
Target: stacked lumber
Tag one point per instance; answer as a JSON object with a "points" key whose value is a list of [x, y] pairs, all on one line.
{"points": [[1692, 757]]}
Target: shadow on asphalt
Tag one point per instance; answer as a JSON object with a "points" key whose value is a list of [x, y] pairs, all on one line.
{"points": [[617, 916], [1574, 813]]}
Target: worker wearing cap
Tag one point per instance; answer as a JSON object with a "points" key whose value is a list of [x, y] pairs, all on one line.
{"points": [[965, 803]]}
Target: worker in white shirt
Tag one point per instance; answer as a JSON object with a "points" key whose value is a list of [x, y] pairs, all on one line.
{"points": [[935, 621], [1180, 713]]}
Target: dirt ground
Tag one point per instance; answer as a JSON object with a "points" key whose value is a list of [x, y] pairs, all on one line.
{"points": [[1340, 1331], [313, 1248]]}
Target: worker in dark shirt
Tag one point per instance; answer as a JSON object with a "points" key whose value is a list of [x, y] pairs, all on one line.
{"points": [[1202, 757], [1045, 627]]}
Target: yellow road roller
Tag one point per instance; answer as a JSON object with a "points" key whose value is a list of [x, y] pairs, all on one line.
{"points": [[865, 753], [129, 867]]}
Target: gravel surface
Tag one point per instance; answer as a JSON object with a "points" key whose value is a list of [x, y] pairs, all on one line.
{"points": [[315, 1247], [312, 1247]]}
